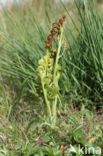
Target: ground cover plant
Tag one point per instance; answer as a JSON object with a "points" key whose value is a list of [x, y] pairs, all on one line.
{"points": [[51, 85]]}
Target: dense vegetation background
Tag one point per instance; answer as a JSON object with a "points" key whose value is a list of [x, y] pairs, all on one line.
{"points": [[24, 128]]}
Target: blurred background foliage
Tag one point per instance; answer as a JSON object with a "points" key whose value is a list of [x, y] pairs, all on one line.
{"points": [[23, 30]]}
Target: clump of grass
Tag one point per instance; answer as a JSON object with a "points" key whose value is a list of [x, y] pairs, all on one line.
{"points": [[81, 68], [83, 64]]}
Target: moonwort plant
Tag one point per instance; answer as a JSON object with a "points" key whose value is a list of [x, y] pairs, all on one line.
{"points": [[49, 68]]}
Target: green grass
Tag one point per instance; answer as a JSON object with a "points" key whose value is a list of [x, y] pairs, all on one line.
{"points": [[82, 63], [23, 135]]}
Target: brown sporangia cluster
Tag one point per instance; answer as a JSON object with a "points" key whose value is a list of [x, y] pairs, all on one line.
{"points": [[55, 31]]}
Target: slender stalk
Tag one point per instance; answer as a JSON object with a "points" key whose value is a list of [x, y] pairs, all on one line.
{"points": [[54, 112], [46, 99], [58, 53], [55, 78]]}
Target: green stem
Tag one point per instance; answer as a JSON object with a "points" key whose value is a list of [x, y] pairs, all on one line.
{"points": [[55, 79], [46, 99], [54, 112], [58, 53]]}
